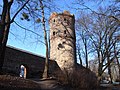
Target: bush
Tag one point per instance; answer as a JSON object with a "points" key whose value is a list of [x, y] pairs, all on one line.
{"points": [[80, 78]]}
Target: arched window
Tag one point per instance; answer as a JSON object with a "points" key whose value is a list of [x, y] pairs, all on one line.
{"points": [[23, 71]]}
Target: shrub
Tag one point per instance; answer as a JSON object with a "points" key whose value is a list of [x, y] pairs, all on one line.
{"points": [[80, 78]]}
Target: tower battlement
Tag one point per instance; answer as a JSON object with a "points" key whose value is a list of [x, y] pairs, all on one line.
{"points": [[65, 13], [62, 39]]}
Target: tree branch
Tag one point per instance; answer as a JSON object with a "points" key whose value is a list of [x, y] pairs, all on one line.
{"points": [[19, 11], [27, 29]]}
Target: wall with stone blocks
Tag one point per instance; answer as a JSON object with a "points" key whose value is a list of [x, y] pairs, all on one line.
{"points": [[14, 58]]}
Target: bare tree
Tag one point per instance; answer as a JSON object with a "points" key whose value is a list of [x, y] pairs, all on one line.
{"points": [[83, 37], [105, 42], [102, 31], [79, 54], [5, 23], [38, 12], [81, 5], [31, 11], [116, 46], [45, 73]]}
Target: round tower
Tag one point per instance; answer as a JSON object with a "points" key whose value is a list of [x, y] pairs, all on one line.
{"points": [[62, 39]]}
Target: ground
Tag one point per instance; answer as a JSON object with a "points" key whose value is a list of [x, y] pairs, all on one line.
{"points": [[8, 82]]}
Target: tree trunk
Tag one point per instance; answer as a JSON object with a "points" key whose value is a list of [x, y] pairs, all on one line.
{"points": [[117, 60], [79, 55], [86, 53], [2, 28], [109, 68], [4, 42], [5, 26], [118, 68], [6, 32], [45, 73], [100, 71], [109, 72]]}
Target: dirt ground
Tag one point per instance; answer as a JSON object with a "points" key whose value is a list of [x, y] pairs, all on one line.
{"points": [[8, 82]]}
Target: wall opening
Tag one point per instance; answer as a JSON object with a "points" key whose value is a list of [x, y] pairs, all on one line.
{"points": [[65, 19], [64, 31], [54, 20], [54, 33], [23, 71], [64, 42]]}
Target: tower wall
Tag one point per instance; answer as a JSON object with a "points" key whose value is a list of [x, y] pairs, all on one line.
{"points": [[62, 39]]}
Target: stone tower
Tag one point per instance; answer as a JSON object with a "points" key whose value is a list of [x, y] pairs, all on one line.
{"points": [[62, 39]]}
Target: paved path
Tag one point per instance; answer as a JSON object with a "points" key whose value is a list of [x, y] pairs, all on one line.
{"points": [[111, 86], [49, 84]]}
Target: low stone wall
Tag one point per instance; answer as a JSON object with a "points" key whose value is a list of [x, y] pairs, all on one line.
{"points": [[14, 58]]}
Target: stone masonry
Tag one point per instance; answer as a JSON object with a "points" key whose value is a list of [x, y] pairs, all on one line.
{"points": [[62, 49], [15, 57], [62, 39]]}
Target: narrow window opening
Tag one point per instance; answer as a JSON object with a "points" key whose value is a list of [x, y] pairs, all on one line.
{"points": [[53, 33], [65, 32], [54, 20], [64, 19], [60, 45], [64, 42]]}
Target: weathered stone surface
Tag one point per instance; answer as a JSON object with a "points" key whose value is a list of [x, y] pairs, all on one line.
{"points": [[62, 39], [14, 58]]}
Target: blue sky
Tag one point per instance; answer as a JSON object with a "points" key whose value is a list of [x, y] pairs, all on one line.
{"points": [[22, 39]]}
